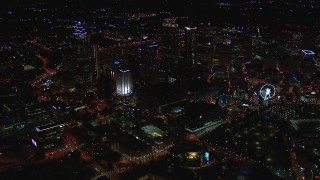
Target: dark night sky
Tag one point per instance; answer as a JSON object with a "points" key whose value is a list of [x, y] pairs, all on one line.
{"points": [[297, 12]]}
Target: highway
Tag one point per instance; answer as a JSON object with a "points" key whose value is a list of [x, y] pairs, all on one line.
{"points": [[125, 45], [49, 72]]}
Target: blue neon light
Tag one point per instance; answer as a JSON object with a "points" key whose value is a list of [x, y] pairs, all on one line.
{"points": [[178, 110], [295, 77], [206, 157], [308, 52], [153, 45]]}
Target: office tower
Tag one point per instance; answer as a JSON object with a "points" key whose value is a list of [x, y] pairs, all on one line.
{"points": [[190, 44], [97, 62], [80, 62], [124, 84], [170, 38], [48, 136], [224, 99]]}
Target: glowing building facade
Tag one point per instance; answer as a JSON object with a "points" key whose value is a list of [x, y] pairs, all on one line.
{"points": [[48, 136], [124, 84]]}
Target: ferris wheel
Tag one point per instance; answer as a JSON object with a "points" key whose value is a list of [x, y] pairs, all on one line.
{"points": [[267, 91]]}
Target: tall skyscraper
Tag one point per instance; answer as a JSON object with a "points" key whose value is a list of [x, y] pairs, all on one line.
{"points": [[80, 62], [97, 62], [170, 38], [190, 45], [124, 83]]}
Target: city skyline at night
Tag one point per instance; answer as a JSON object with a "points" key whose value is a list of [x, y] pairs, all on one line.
{"points": [[160, 89]]}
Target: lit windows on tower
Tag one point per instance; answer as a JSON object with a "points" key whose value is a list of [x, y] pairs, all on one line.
{"points": [[190, 44], [124, 84]]}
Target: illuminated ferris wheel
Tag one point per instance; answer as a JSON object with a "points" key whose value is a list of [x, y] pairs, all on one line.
{"points": [[267, 91]]}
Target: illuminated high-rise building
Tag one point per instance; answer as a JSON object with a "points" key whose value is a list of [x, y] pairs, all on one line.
{"points": [[170, 38], [48, 136], [80, 62], [190, 45], [124, 83]]}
